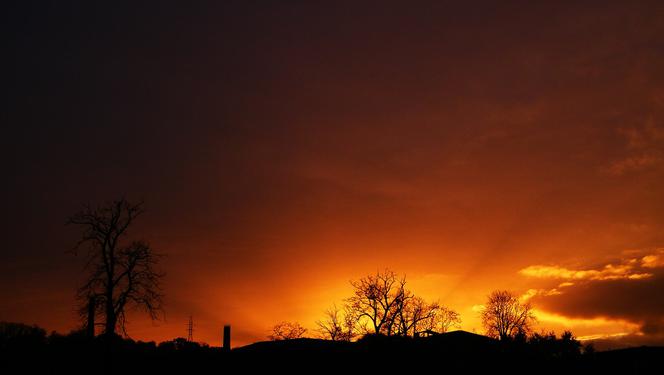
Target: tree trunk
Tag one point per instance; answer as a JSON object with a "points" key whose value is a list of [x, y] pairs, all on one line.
{"points": [[91, 318], [110, 317]]}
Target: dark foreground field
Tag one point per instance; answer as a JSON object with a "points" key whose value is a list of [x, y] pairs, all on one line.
{"points": [[455, 352]]}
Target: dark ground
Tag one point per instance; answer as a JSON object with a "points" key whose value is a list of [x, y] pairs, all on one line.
{"points": [[455, 352]]}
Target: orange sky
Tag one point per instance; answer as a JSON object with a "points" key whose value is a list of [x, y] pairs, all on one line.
{"points": [[283, 150]]}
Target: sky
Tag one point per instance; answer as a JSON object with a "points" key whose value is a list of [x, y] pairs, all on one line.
{"points": [[285, 148]]}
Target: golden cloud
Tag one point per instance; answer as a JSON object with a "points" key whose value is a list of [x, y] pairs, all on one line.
{"points": [[653, 260], [616, 301], [608, 272]]}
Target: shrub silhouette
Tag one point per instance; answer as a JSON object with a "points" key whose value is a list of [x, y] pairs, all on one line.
{"points": [[18, 336]]}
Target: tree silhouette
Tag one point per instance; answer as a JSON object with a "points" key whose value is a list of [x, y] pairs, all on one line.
{"points": [[381, 304], [445, 319], [548, 345], [415, 315], [120, 273], [338, 324], [569, 345], [15, 336], [287, 331], [504, 316], [377, 300]]}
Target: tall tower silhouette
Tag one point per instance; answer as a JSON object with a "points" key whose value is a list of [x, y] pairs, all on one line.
{"points": [[226, 340], [190, 329]]}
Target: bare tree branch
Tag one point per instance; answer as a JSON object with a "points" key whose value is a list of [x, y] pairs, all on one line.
{"points": [[119, 275], [287, 331], [505, 316]]}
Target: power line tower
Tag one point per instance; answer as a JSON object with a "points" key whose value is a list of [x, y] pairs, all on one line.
{"points": [[190, 329]]}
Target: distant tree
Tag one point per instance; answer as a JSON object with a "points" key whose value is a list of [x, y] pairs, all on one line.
{"points": [[548, 345], [381, 304], [415, 315], [287, 331], [338, 324], [543, 344], [179, 344], [569, 345], [377, 300], [418, 316], [20, 336], [445, 319], [504, 316], [121, 273]]}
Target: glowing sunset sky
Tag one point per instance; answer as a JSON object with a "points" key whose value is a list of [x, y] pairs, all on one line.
{"points": [[285, 149]]}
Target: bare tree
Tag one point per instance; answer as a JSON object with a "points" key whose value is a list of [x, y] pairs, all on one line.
{"points": [[415, 315], [504, 316], [422, 317], [121, 274], [287, 331], [377, 300], [381, 304], [338, 325], [445, 319]]}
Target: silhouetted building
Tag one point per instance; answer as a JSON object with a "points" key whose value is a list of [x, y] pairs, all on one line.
{"points": [[426, 333], [226, 345]]}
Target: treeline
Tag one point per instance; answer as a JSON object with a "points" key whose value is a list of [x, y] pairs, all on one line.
{"points": [[20, 337], [26, 349], [382, 305]]}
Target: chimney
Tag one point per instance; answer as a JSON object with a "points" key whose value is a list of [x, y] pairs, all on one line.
{"points": [[227, 338]]}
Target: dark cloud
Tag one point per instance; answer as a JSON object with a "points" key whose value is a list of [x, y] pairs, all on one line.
{"points": [[637, 300]]}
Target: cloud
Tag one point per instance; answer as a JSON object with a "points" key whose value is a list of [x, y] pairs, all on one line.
{"points": [[622, 340], [644, 145], [477, 308], [645, 136], [627, 291], [637, 301], [603, 336], [633, 163], [653, 260], [608, 272], [530, 293]]}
